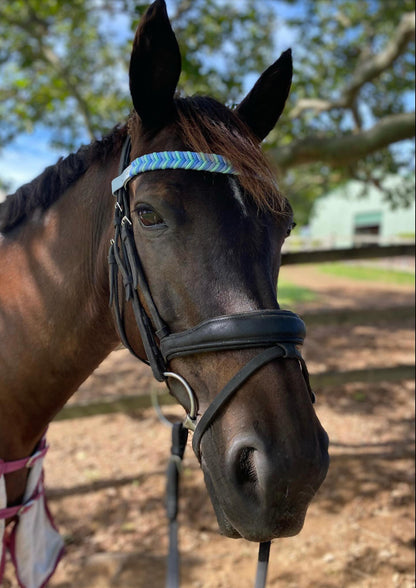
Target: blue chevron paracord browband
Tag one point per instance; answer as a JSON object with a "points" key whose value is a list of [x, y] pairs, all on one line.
{"points": [[188, 160]]}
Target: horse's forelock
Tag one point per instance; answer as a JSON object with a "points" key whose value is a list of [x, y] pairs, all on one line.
{"points": [[208, 126]]}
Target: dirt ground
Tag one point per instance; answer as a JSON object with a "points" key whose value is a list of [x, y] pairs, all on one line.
{"points": [[105, 474]]}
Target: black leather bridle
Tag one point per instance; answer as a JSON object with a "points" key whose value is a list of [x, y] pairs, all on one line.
{"points": [[277, 332]]}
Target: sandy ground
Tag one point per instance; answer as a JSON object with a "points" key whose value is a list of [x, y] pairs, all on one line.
{"points": [[105, 474]]}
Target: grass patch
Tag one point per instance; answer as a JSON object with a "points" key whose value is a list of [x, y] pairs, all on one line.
{"points": [[367, 273], [289, 294]]}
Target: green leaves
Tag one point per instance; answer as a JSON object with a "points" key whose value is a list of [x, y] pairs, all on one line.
{"points": [[354, 66], [64, 65], [55, 69]]}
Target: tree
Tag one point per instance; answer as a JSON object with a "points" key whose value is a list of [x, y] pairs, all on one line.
{"points": [[64, 65], [351, 100], [54, 63]]}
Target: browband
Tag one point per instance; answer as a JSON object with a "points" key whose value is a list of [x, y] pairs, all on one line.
{"points": [[189, 160], [260, 328]]}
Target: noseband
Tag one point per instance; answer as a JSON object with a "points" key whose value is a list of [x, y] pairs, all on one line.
{"points": [[277, 332]]}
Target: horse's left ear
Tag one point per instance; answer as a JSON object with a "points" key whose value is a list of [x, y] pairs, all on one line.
{"points": [[155, 66], [264, 104]]}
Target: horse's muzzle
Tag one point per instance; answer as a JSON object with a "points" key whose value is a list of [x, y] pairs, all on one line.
{"points": [[264, 495]]}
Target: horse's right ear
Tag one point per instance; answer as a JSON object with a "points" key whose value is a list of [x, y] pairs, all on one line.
{"points": [[262, 107], [155, 66]]}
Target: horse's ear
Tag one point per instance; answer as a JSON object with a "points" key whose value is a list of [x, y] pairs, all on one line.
{"points": [[264, 104], [155, 66]]}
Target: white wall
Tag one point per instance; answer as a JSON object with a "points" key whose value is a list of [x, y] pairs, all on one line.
{"points": [[333, 216]]}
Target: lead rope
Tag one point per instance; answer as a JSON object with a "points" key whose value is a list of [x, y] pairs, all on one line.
{"points": [[179, 439], [262, 564]]}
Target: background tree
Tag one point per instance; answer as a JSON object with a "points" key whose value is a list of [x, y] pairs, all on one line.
{"points": [[352, 100], [63, 66]]}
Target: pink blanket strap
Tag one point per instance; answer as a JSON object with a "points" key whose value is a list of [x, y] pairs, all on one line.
{"points": [[7, 467], [12, 511]]}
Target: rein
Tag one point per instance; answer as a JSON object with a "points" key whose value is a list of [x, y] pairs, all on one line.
{"points": [[279, 331]]}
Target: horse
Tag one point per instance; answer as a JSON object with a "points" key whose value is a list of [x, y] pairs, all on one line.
{"points": [[195, 249]]}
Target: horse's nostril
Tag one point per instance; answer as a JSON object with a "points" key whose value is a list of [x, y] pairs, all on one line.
{"points": [[250, 467], [246, 467]]}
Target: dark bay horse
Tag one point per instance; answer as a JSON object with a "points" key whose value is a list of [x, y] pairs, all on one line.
{"points": [[209, 245]]}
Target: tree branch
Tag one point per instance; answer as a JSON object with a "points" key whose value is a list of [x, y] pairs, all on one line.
{"points": [[346, 149], [371, 69], [366, 71], [52, 58]]}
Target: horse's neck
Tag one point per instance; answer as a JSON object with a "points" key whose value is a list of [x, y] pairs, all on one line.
{"points": [[55, 323]]}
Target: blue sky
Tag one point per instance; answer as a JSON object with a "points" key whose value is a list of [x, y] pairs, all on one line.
{"points": [[26, 157]]}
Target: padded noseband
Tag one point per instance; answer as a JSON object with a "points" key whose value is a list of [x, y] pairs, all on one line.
{"points": [[260, 328]]}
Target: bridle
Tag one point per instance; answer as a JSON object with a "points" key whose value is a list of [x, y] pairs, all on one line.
{"points": [[277, 332]]}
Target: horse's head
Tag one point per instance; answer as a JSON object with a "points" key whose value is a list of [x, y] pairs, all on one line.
{"points": [[209, 244]]}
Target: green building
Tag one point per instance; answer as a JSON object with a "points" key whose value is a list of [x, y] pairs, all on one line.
{"points": [[348, 216]]}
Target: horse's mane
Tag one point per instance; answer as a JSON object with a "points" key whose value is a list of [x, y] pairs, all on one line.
{"points": [[46, 188], [203, 124]]}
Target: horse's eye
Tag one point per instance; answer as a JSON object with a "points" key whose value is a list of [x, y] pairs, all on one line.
{"points": [[149, 217], [290, 228]]}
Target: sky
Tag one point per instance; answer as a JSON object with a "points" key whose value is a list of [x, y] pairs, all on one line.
{"points": [[26, 158]]}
